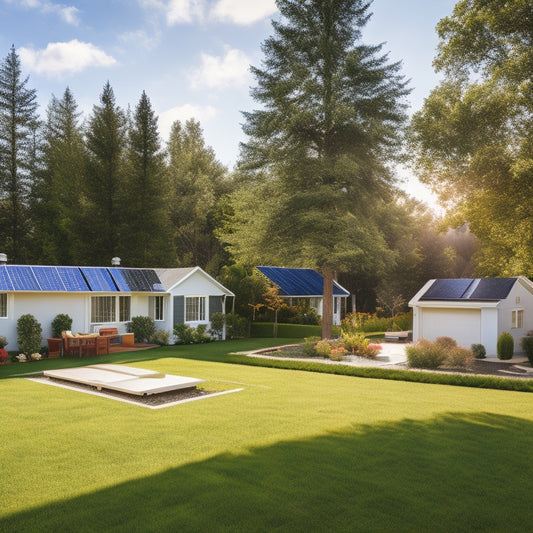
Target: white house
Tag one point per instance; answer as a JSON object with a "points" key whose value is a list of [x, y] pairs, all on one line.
{"points": [[97, 297], [474, 311], [305, 284]]}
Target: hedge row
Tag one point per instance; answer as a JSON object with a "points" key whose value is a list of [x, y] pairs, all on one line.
{"points": [[460, 380]]}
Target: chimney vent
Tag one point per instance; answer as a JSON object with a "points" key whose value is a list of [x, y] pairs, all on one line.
{"points": [[115, 261], [3, 259]]}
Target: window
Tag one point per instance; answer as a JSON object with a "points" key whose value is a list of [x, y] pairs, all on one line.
{"points": [[194, 308], [104, 308], [3, 305], [517, 320], [159, 308], [124, 308]]}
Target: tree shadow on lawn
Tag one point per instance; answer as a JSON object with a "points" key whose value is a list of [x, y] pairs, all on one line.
{"points": [[456, 472]]}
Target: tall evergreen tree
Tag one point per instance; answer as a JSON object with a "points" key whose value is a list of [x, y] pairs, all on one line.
{"points": [[146, 239], [198, 182], [58, 194], [18, 156], [106, 144], [317, 149]]}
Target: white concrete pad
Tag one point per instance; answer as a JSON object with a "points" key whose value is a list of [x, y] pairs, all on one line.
{"points": [[131, 380]]}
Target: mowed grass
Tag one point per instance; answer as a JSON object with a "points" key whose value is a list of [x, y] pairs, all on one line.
{"points": [[292, 451]]}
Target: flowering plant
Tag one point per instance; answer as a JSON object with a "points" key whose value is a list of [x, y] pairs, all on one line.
{"points": [[35, 356], [21, 357]]}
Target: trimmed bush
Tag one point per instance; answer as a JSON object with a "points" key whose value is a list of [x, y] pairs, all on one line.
{"points": [[527, 345], [308, 347], [184, 334], [161, 337], [323, 348], [217, 325], [425, 354], [355, 342], [479, 351], [459, 357], [505, 346], [143, 328], [238, 327], [29, 334], [200, 336], [61, 322]]}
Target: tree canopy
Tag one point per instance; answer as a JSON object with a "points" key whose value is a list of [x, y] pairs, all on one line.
{"points": [[473, 139]]}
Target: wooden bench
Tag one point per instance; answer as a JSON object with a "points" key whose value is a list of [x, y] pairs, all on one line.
{"points": [[111, 334]]}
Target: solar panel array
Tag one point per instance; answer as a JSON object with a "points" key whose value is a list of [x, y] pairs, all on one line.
{"points": [[78, 279], [469, 289], [299, 281]]}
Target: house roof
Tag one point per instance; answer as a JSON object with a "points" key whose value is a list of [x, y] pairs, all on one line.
{"points": [[171, 277], [299, 281], [38, 278], [480, 289]]}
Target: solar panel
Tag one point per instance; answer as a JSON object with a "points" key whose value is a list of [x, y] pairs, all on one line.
{"points": [[72, 279], [447, 289], [5, 282], [119, 279], [298, 281], [22, 278], [48, 278], [153, 280], [493, 289], [99, 279]]}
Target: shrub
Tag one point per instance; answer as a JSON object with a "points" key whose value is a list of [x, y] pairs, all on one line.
{"points": [[3, 342], [199, 335], [527, 345], [29, 333], [237, 327], [425, 354], [403, 322], [336, 354], [446, 343], [143, 328], [184, 334], [217, 325], [370, 352], [61, 322], [308, 347], [353, 342], [479, 351], [365, 322], [459, 358], [505, 346], [161, 337], [323, 348]]}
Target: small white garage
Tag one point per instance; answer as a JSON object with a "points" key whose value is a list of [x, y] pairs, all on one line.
{"points": [[473, 311]]}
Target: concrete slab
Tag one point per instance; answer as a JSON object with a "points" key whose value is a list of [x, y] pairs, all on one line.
{"points": [[126, 379]]}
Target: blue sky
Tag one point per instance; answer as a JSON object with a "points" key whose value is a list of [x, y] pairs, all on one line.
{"points": [[190, 56]]}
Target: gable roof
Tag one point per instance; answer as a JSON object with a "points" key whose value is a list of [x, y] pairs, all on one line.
{"points": [[480, 289], [39, 278], [171, 277], [299, 281]]}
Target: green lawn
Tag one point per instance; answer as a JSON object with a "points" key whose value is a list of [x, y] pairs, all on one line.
{"points": [[293, 451]]}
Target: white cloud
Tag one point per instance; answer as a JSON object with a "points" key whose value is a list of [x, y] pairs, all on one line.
{"points": [[69, 14], [58, 59], [231, 70], [183, 113], [243, 11], [141, 39], [177, 11]]}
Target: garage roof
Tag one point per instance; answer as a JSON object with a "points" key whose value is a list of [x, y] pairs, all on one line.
{"points": [[489, 289]]}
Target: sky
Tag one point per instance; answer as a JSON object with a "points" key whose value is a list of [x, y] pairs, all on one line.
{"points": [[191, 57]]}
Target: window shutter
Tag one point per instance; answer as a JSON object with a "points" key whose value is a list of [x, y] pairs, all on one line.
{"points": [[215, 305], [179, 309]]}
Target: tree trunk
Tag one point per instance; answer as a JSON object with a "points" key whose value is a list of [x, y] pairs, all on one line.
{"points": [[327, 303]]}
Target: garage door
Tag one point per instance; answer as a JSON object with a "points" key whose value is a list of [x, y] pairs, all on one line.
{"points": [[463, 325]]}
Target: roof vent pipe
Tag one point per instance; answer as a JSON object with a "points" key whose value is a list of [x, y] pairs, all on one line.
{"points": [[115, 261], [3, 259]]}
